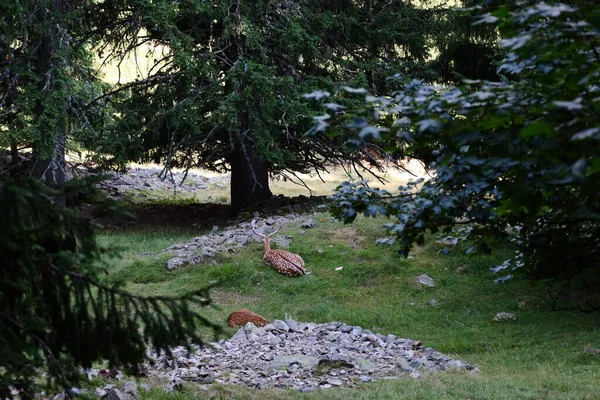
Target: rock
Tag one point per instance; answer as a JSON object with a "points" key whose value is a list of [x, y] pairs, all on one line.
{"points": [[146, 386], [280, 325], [274, 341], [591, 350], [240, 335], [131, 389], [175, 385], [287, 360], [425, 280], [365, 365], [356, 331], [404, 366], [293, 325], [175, 263], [333, 326], [455, 364], [114, 394], [253, 337], [309, 223], [208, 251], [303, 357], [504, 316], [249, 328], [327, 366], [372, 338], [389, 339], [334, 381]]}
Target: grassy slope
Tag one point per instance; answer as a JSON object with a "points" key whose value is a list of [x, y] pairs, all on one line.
{"points": [[537, 356]]}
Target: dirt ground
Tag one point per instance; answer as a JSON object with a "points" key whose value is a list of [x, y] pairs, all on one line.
{"points": [[196, 217]]}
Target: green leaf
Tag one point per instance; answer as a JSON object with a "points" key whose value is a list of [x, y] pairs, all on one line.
{"points": [[539, 128]]}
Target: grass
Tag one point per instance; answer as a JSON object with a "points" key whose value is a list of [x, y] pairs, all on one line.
{"points": [[537, 356]]}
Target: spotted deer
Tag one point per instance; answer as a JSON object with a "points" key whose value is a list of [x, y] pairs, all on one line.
{"points": [[243, 316], [284, 262]]}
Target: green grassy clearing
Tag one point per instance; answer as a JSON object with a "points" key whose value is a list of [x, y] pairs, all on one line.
{"points": [[537, 356]]}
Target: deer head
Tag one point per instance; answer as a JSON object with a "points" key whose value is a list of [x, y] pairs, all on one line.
{"points": [[266, 236]]}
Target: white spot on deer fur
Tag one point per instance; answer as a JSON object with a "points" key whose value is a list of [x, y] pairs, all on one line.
{"points": [[284, 262]]}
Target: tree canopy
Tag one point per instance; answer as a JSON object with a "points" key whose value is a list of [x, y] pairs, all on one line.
{"points": [[224, 80], [226, 94]]}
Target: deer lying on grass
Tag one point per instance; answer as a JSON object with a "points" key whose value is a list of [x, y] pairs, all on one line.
{"points": [[243, 316], [284, 262]]}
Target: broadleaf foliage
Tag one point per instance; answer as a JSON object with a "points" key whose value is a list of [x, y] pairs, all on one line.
{"points": [[515, 158]]}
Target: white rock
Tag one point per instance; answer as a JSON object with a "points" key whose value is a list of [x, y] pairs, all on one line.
{"points": [[280, 325], [503, 316], [425, 280]]}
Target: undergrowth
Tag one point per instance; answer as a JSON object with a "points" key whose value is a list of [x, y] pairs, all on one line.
{"points": [[539, 355]]}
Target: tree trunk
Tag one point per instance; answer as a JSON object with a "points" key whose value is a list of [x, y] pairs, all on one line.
{"points": [[49, 162], [50, 167], [249, 178]]}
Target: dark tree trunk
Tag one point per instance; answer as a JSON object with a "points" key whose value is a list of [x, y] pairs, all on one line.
{"points": [[249, 178], [49, 165], [249, 173], [49, 162]]}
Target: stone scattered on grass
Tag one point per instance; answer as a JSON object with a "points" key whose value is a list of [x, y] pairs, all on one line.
{"points": [[425, 280], [154, 179], [504, 316], [130, 388], [461, 269], [201, 248], [114, 394], [309, 223], [302, 356]]}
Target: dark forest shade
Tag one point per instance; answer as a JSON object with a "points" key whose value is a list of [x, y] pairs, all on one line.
{"points": [[56, 315]]}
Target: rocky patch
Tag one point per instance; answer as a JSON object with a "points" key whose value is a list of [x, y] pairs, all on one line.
{"points": [[302, 356], [143, 180], [201, 248]]}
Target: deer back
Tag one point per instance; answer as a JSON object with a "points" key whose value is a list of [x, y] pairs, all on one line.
{"points": [[285, 263]]}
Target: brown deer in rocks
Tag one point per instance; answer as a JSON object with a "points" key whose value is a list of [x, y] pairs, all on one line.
{"points": [[284, 262], [243, 316]]}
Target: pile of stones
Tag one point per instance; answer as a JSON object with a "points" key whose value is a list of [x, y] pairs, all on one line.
{"points": [[302, 356], [201, 248], [150, 180]]}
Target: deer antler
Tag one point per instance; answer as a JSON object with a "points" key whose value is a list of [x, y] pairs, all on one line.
{"points": [[277, 228], [255, 231]]}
